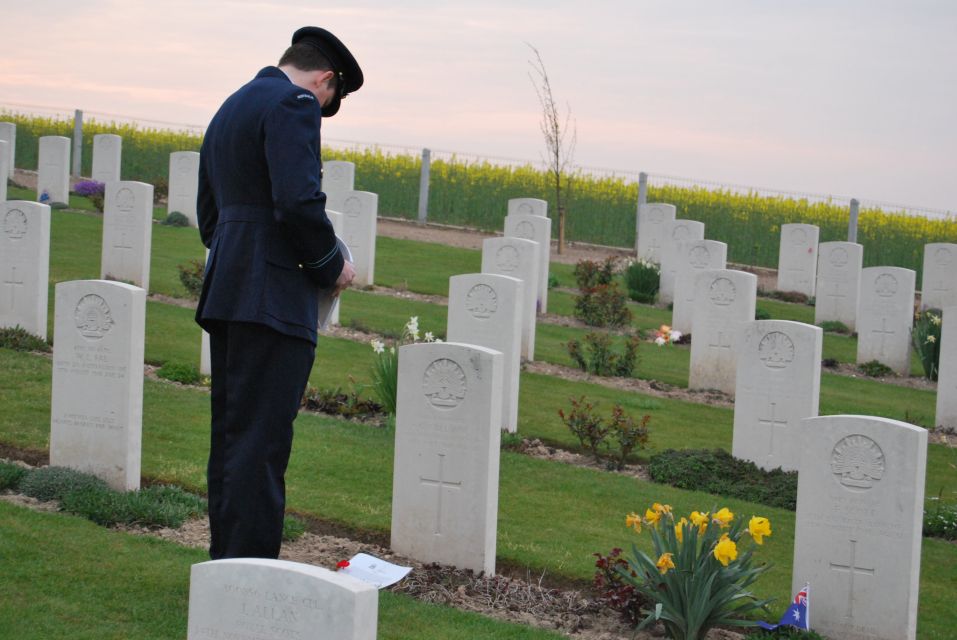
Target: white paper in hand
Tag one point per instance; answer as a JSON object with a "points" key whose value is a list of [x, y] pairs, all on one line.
{"points": [[327, 301], [375, 571]]}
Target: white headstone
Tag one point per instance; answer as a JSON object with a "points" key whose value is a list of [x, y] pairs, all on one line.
{"points": [[260, 599], [528, 206], [797, 260], [778, 385], [947, 373], [885, 317], [857, 536], [97, 409], [539, 229], [107, 150], [24, 265], [651, 229], [677, 233], [486, 310], [693, 257], [724, 299], [518, 258], [838, 283], [8, 133], [447, 438], [127, 232], [4, 165], [939, 282], [53, 170], [360, 215], [183, 184], [338, 178], [337, 220]]}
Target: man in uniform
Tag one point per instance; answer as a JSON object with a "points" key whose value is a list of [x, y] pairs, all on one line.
{"points": [[272, 250]]}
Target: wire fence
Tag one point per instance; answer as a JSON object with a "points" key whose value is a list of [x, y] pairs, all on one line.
{"points": [[472, 190]]}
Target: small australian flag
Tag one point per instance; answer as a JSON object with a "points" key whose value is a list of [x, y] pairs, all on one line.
{"points": [[797, 615]]}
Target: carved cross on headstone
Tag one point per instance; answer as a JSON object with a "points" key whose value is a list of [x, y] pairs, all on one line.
{"points": [[13, 283], [441, 484], [771, 423], [123, 245], [851, 569], [722, 341], [836, 296], [654, 246], [883, 333]]}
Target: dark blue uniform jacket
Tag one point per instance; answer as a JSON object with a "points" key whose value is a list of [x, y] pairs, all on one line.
{"points": [[261, 210]]}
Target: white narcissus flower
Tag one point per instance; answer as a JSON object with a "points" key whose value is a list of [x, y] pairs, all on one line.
{"points": [[659, 341], [377, 345], [931, 339], [429, 337]]}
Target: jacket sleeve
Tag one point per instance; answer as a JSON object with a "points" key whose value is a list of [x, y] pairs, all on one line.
{"points": [[207, 213], [293, 156]]}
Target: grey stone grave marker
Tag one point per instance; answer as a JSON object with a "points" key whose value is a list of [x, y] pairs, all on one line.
{"points": [[127, 232], [183, 184], [885, 317], [939, 282], [539, 229], [838, 283], [947, 375], [107, 151], [518, 258], [724, 299], [97, 408], [447, 438], [652, 219], [360, 215], [260, 599], [857, 536], [797, 259], [677, 234], [8, 134], [24, 265], [778, 385], [53, 170], [528, 206], [693, 257], [486, 310]]}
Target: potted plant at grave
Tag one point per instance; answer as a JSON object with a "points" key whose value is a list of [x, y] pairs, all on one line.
{"points": [[698, 578]]}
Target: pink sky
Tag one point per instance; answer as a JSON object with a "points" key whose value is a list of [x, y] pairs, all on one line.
{"points": [[854, 97]]}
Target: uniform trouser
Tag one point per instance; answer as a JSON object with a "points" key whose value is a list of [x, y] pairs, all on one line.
{"points": [[258, 377]]}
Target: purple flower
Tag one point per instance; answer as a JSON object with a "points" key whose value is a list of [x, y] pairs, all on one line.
{"points": [[89, 188]]}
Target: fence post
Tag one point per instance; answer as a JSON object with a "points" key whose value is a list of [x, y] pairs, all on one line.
{"points": [[642, 199], [852, 221], [77, 142], [424, 186]]}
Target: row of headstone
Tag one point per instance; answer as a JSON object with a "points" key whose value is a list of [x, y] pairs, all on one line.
{"points": [[360, 211], [53, 170], [838, 284], [797, 258], [4, 164], [528, 219], [24, 266], [107, 156], [127, 232]]}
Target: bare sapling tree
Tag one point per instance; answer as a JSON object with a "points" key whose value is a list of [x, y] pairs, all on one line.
{"points": [[560, 136]]}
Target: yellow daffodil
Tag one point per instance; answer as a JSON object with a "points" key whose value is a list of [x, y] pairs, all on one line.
{"points": [[661, 508], [652, 517], [723, 517], [680, 529], [726, 550], [664, 563], [633, 520], [759, 527], [700, 520]]}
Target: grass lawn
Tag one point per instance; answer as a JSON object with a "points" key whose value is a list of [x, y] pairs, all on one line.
{"points": [[86, 582]]}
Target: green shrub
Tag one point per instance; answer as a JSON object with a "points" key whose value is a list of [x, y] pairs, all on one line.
{"points": [[19, 339], [590, 274], [835, 326], [191, 274], [926, 338], [10, 475], [339, 403], [602, 306], [553, 281], [600, 359], [292, 528], [52, 483], [592, 432], [718, 472], [157, 506], [874, 369], [179, 372], [176, 219], [642, 280]]}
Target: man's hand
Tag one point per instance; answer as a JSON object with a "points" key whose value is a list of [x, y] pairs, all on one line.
{"points": [[346, 276]]}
